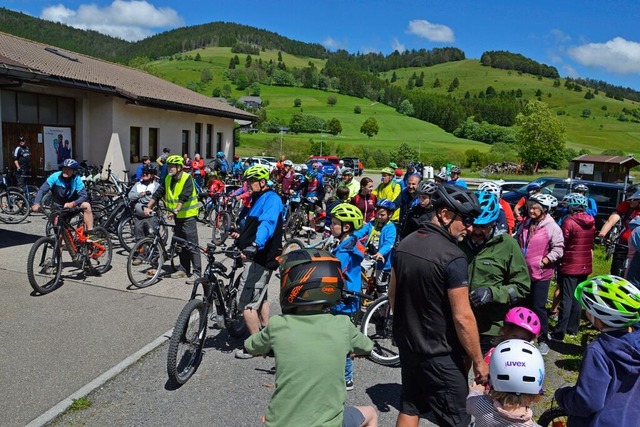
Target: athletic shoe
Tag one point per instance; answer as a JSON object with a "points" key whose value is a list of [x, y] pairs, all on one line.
{"points": [[136, 261], [192, 279], [543, 347], [242, 354], [180, 274], [349, 385]]}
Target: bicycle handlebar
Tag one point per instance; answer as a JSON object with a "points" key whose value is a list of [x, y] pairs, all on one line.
{"points": [[358, 294]]}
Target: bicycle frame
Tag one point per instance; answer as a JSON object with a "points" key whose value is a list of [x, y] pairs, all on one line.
{"points": [[73, 237]]}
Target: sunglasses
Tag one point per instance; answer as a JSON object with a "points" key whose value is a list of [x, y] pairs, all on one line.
{"points": [[466, 220]]}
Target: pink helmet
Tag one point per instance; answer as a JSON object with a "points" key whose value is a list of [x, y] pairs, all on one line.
{"points": [[525, 318]]}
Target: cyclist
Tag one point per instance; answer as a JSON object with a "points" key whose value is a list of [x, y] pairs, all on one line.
{"points": [[422, 212], [161, 161], [179, 193], [498, 275], [260, 240], [198, 169], [67, 191], [433, 324], [346, 219], [440, 178], [519, 215], [607, 389], [349, 182], [408, 198], [145, 161], [454, 177], [309, 345], [313, 190], [140, 195], [365, 200], [285, 177], [387, 189], [380, 237], [592, 208], [221, 166], [22, 160], [397, 178], [496, 190], [236, 167]]}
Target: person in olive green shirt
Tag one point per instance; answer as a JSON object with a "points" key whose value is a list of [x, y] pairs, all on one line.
{"points": [[498, 274]]}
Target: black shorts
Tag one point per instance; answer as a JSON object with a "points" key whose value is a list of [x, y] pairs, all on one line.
{"points": [[436, 384]]}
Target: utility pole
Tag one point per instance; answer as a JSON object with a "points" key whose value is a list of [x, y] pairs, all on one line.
{"points": [[281, 132]]}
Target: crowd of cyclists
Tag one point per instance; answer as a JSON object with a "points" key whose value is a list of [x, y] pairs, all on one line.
{"points": [[468, 278]]}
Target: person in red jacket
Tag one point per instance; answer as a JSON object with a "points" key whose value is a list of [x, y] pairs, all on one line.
{"points": [[197, 165], [579, 230]]}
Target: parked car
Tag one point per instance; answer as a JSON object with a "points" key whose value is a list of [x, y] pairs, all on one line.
{"points": [[352, 162], [332, 159], [259, 161], [510, 184], [328, 168], [271, 161], [606, 195]]}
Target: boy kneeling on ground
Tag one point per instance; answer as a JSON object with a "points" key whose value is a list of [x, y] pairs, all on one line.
{"points": [[310, 346]]}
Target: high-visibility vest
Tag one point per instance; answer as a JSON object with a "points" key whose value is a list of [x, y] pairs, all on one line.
{"points": [[190, 207]]}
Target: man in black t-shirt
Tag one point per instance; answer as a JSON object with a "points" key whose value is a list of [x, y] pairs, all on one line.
{"points": [[433, 324], [21, 159]]}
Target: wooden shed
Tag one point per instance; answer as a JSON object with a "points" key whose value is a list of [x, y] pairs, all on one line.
{"points": [[602, 168]]}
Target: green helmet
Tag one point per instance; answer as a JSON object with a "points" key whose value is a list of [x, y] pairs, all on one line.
{"points": [[347, 212], [388, 171], [309, 277], [257, 172], [612, 299], [175, 160]]}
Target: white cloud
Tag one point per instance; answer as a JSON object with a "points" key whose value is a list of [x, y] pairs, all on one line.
{"points": [[331, 43], [396, 45], [130, 20], [617, 55], [559, 36], [431, 32]]}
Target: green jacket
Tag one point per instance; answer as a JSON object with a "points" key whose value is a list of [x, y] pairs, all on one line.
{"points": [[499, 266]]}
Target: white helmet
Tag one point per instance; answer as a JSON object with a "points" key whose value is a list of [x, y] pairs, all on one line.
{"points": [[341, 162], [516, 367], [546, 200], [491, 187]]}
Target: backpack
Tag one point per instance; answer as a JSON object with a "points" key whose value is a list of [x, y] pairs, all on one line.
{"points": [[224, 167]]}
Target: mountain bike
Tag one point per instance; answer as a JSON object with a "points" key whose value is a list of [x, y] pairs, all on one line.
{"points": [[44, 262], [189, 334], [298, 220], [612, 240], [555, 416], [14, 206]]}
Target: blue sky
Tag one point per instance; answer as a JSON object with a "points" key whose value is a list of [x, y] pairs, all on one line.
{"points": [[587, 38]]}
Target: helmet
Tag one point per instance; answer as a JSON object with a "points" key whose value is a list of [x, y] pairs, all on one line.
{"points": [[297, 168], [236, 157], [347, 212], [427, 188], [533, 187], [489, 208], [393, 165], [388, 171], [220, 154], [308, 277], [456, 199], [612, 299], [516, 367], [634, 196], [175, 160], [386, 204], [297, 175], [398, 172], [256, 172], [632, 189], [287, 163], [524, 318], [312, 175], [575, 200], [411, 165], [491, 187], [341, 162], [149, 169], [456, 169], [580, 187], [304, 167], [441, 175], [70, 163], [546, 200], [347, 171]]}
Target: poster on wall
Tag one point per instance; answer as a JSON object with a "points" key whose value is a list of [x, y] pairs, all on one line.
{"points": [[57, 146]]}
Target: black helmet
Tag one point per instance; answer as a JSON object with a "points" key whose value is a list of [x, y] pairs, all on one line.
{"points": [[150, 169], [456, 199], [309, 277]]}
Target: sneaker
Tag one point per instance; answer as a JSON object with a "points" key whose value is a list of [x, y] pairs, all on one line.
{"points": [[136, 261], [192, 279], [180, 274], [92, 238], [242, 354], [543, 347], [349, 385]]}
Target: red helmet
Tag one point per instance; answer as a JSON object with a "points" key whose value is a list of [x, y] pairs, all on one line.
{"points": [[236, 157]]}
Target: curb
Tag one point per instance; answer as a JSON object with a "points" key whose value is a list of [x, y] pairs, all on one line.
{"points": [[63, 405]]}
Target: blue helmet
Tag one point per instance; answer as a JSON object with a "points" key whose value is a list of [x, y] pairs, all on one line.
{"points": [[533, 186], [575, 200], [489, 208], [70, 163], [312, 175], [220, 154], [386, 204]]}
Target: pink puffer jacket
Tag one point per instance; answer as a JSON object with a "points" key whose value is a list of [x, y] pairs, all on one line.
{"points": [[545, 241]]}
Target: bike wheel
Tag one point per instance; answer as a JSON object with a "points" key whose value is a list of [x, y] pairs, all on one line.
{"points": [[126, 235], [377, 325], [46, 203], [100, 250], [293, 226], [292, 245], [221, 228], [234, 323], [14, 207], [144, 263], [187, 339], [553, 417], [44, 266]]}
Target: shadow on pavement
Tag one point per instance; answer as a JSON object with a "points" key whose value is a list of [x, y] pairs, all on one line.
{"points": [[380, 395], [10, 238]]}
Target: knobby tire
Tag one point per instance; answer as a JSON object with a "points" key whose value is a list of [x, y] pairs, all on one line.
{"points": [[187, 340]]}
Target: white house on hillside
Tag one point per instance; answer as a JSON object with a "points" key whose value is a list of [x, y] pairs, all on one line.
{"points": [[49, 95]]}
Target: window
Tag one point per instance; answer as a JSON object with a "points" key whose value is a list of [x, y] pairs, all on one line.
{"points": [[185, 141], [47, 110], [9, 111], [198, 138], [31, 108], [153, 143], [134, 144], [27, 107], [219, 142], [210, 141]]}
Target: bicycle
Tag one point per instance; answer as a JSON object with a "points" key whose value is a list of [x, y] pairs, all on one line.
{"points": [[611, 241], [326, 243], [14, 206], [44, 262], [300, 219], [189, 334], [555, 416]]}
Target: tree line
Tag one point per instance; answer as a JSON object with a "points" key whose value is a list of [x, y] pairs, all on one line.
{"points": [[515, 61]]}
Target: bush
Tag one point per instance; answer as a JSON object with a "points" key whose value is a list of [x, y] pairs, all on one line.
{"points": [[357, 109], [297, 102]]}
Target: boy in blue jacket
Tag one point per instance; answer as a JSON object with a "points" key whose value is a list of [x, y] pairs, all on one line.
{"points": [[345, 219], [608, 390]]}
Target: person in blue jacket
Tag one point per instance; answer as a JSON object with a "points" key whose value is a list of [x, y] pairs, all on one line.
{"points": [[592, 208], [380, 238], [607, 391], [345, 219], [260, 240]]}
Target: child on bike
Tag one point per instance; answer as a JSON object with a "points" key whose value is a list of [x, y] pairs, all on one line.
{"points": [[309, 345], [139, 195], [516, 375], [607, 391], [380, 237], [345, 219]]}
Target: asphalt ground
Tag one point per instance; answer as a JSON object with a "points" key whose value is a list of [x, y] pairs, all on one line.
{"points": [[99, 337]]}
